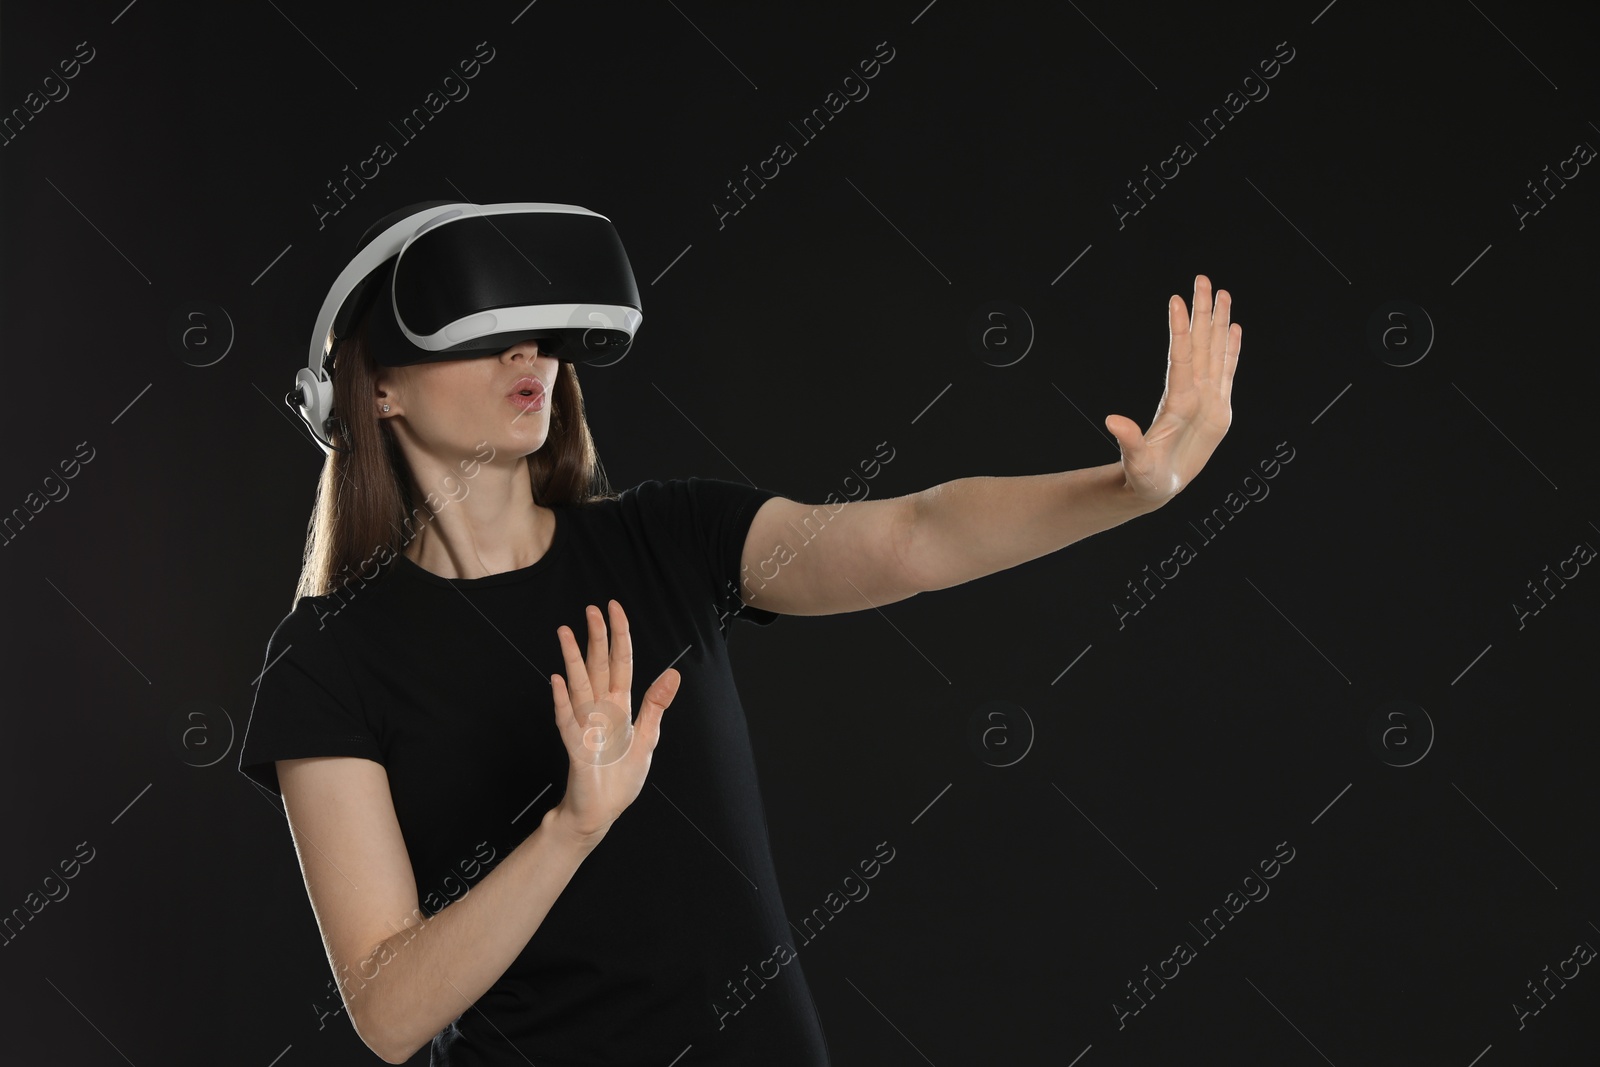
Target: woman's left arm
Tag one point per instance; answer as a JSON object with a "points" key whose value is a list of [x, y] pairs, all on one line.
{"points": [[877, 552]]}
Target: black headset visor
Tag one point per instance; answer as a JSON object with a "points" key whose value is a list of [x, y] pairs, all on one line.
{"points": [[469, 285], [448, 279]]}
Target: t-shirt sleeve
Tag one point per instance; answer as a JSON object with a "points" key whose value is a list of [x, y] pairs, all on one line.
{"points": [[714, 516], [306, 703], [723, 511]]}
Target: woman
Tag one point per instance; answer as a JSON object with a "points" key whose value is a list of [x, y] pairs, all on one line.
{"points": [[400, 715], [459, 837]]}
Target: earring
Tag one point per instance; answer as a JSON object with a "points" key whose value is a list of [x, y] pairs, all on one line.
{"points": [[386, 407]]}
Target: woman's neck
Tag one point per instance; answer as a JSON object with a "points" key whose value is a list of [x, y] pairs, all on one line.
{"points": [[463, 542]]}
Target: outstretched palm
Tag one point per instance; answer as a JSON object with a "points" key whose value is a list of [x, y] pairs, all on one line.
{"points": [[1195, 410], [608, 754]]}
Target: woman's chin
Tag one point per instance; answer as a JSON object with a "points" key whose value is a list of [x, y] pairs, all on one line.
{"points": [[522, 440]]}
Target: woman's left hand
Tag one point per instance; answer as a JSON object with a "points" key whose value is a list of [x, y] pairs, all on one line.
{"points": [[1194, 412]]}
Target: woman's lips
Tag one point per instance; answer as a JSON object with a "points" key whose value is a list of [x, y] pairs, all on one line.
{"points": [[528, 394], [528, 403]]}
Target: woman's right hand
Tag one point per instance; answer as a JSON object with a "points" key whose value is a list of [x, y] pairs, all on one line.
{"points": [[608, 753]]}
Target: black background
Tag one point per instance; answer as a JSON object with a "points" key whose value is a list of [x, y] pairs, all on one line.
{"points": [[1237, 711]]}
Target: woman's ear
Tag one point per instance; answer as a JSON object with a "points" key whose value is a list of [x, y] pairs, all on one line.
{"points": [[385, 391]]}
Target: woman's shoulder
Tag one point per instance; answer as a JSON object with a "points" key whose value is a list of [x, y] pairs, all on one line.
{"points": [[313, 615], [307, 616]]}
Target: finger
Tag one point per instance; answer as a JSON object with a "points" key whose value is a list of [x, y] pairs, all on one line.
{"points": [[1231, 362], [1180, 369], [577, 678], [1127, 433], [1200, 325], [1202, 304], [599, 657], [647, 731], [565, 720], [1220, 319], [621, 651], [1130, 439]]}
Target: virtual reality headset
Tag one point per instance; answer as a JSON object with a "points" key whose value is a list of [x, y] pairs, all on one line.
{"points": [[454, 280]]}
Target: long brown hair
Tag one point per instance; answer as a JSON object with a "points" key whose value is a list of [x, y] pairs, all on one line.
{"points": [[365, 515]]}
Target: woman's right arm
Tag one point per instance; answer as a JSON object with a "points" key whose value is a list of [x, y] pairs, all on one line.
{"points": [[405, 977]]}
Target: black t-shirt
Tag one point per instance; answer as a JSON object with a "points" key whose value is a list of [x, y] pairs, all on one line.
{"points": [[672, 933]]}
